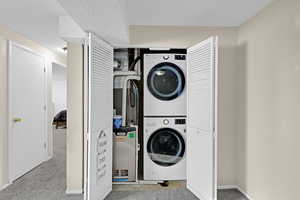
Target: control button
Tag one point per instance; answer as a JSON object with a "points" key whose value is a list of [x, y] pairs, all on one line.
{"points": [[166, 57], [166, 122]]}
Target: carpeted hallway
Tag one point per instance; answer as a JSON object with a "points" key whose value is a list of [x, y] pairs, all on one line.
{"points": [[47, 182]]}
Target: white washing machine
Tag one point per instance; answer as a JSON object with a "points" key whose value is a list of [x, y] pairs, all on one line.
{"points": [[164, 149], [164, 85]]}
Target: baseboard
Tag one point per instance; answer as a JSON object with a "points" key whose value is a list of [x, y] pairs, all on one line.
{"points": [[49, 158], [227, 187], [244, 193], [74, 191], [4, 186]]}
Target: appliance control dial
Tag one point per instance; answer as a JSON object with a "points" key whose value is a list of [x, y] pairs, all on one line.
{"points": [[166, 57], [166, 122]]}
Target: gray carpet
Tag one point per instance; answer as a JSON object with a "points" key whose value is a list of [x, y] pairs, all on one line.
{"points": [[47, 182], [170, 194]]}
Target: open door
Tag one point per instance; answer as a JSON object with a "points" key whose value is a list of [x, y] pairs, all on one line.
{"points": [[99, 119], [202, 119]]}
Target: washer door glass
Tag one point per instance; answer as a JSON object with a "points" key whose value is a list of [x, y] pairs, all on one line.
{"points": [[166, 147], [166, 81]]}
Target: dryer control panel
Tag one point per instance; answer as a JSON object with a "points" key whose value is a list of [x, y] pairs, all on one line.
{"points": [[180, 57], [180, 121]]}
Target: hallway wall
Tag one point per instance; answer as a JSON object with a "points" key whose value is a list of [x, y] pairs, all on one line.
{"points": [[269, 96], [75, 119]]}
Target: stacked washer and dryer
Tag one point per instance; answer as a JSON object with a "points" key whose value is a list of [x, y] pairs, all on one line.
{"points": [[164, 117]]}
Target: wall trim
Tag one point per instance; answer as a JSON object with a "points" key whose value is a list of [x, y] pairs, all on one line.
{"points": [[4, 186], [244, 193], [74, 191], [227, 187]]}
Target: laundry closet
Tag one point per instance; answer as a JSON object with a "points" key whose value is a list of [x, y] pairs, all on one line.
{"points": [[150, 116]]}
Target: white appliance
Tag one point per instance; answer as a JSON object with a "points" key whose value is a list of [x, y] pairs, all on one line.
{"points": [[164, 149], [164, 85]]}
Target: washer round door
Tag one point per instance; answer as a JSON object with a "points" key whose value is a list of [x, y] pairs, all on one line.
{"points": [[166, 81], [166, 147]]}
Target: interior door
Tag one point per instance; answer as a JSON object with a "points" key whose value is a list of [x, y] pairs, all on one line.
{"points": [[201, 119], [27, 119], [100, 114]]}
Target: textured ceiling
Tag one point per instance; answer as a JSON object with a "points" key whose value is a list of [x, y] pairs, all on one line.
{"points": [[193, 12], [38, 19]]}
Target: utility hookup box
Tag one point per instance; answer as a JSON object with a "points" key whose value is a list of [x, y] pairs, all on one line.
{"points": [[125, 154]]}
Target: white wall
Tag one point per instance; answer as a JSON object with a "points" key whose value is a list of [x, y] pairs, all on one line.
{"points": [[269, 108], [5, 35], [75, 118], [59, 87], [183, 37], [3, 114]]}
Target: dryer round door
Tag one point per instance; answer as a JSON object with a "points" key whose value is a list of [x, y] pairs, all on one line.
{"points": [[166, 147], [166, 81]]}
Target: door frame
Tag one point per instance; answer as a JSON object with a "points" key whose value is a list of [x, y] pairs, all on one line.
{"points": [[10, 44], [85, 95]]}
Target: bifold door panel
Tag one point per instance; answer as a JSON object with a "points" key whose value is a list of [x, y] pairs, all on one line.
{"points": [[100, 111], [201, 119]]}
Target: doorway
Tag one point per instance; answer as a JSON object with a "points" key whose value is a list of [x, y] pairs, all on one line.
{"points": [[27, 110], [59, 95], [29, 88]]}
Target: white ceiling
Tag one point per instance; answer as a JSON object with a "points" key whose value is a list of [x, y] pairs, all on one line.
{"points": [[193, 12], [38, 19], [34, 19], [106, 18]]}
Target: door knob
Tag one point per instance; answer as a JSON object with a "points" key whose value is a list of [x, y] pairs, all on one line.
{"points": [[17, 120]]}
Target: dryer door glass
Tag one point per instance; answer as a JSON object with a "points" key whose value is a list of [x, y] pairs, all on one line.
{"points": [[166, 81], [166, 147]]}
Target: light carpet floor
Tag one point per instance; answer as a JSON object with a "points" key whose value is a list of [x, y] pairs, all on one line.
{"points": [[47, 182]]}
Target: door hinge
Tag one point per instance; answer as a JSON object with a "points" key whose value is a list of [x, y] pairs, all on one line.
{"points": [[45, 107], [87, 137], [214, 133], [44, 69], [45, 145]]}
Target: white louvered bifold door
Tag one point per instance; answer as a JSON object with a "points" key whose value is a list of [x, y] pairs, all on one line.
{"points": [[201, 119], [100, 113]]}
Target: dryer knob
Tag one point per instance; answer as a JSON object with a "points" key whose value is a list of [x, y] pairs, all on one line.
{"points": [[166, 57], [166, 122]]}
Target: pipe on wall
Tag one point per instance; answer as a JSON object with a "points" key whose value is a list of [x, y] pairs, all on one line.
{"points": [[124, 96]]}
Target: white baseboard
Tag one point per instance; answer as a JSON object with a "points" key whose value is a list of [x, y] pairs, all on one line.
{"points": [[244, 193], [49, 157], [74, 191], [227, 187], [4, 186]]}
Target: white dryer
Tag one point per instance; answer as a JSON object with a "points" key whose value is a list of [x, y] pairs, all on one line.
{"points": [[164, 149], [164, 85]]}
